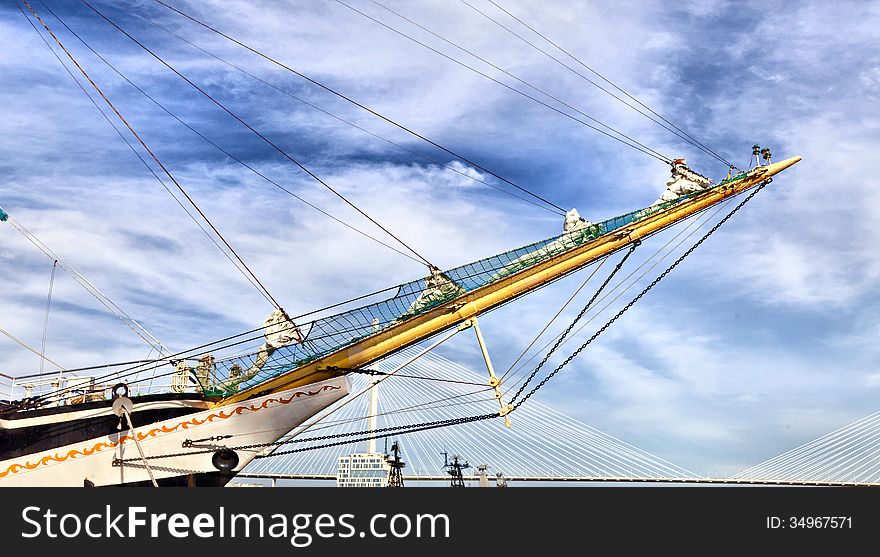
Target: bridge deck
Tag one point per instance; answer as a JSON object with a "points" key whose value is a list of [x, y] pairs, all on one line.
{"points": [[705, 481]]}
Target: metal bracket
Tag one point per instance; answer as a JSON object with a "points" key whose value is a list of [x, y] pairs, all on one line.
{"points": [[202, 443], [494, 382]]}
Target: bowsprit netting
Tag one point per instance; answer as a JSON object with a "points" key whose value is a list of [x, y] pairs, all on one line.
{"points": [[329, 334]]}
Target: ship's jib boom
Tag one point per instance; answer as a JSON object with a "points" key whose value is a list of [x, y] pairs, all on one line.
{"points": [[422, 308]]}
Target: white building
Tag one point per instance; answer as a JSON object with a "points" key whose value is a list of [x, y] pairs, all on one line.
{"points": [[362, 470]]}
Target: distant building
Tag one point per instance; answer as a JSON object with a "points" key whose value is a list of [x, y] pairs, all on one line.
{"points": [[362, 470]]}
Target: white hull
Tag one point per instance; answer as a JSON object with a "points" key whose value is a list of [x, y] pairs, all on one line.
{"points": [[259, 420]]}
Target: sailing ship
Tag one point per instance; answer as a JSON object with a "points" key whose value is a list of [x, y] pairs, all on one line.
{"points": [[219, 412], [301, 368]]}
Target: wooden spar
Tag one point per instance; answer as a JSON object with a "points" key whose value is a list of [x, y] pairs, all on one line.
{"points": [[492, 295]]}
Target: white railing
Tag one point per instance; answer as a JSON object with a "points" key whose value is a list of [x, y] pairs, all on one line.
{"points": [[59, 388]]}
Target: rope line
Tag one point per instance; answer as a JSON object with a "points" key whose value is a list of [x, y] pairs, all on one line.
{"points": [[640, 295], [21, 343], [359, 105], [167, 172], [624, 280], [287, 93], [142, 333], [95, 292], [218, 147], [583, 311], [258, 134], [553, 319], [376, 372], [683, 134], [46, 318], [629, 141]]}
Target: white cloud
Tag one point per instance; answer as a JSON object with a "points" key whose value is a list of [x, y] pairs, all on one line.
{"points": [[675, 376]]}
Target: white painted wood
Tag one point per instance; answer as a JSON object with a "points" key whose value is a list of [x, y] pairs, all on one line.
{"points": [[260, 420]]}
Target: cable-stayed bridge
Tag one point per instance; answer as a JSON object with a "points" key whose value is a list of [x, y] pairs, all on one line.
{"points": [[543, 445], [850, 454], [541, 439]]}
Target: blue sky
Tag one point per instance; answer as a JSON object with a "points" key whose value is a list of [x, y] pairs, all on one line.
{"points": [[764, 339]]}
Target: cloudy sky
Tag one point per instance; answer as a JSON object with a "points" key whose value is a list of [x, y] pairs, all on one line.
{"points": [[763, 340]]}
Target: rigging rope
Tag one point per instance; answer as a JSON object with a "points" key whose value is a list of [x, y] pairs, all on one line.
{"points": [[377, 434], [628, 287], [46, 319], [586, 307], [101, 297], [287, 93], [418, 408], [359, 105], [640, 295], [629, 141], [21, 343], [261, 288], [301, 428], [552, 319], [92, 368], [260, 135], [376, 372], [563, 446], [218, 147], [683, 134], [142, 333], [412, 428]]}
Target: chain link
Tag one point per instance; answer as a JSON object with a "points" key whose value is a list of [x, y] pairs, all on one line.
{"points": [[414, 428], [367, 434]]}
